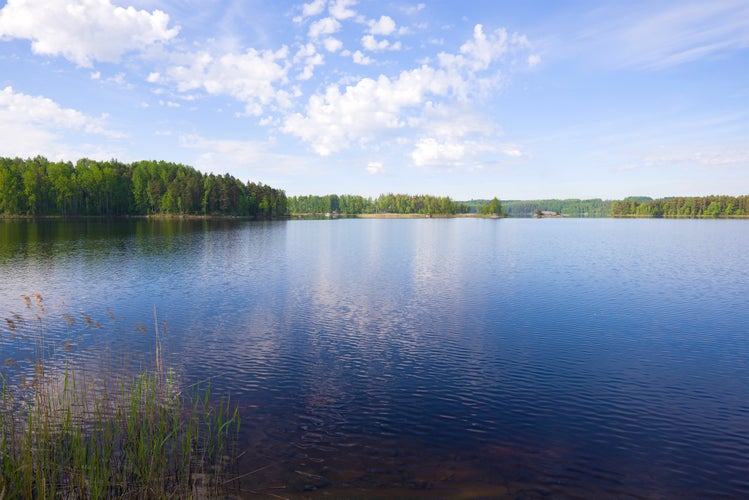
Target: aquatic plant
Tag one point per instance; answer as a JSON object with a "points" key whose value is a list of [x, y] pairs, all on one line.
{"points": [[66, 434]]}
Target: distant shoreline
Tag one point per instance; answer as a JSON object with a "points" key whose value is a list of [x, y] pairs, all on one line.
{"points": [[314, 216]]}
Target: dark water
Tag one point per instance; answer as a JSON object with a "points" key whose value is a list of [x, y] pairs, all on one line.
{"points": [[434, 358]]}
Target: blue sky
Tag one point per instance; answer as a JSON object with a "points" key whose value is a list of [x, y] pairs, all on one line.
{"points": [[469, 99]]}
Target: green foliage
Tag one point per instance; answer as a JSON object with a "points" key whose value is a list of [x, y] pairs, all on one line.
{"points": [[64, 434], [385, 203], [688, 207], [494, 207], [572, 207], [39, 187]]}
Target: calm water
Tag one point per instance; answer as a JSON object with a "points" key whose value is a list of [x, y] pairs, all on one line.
{"points": [[426, 357]]}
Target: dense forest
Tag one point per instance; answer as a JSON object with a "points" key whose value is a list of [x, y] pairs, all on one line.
{"points": [[389, 203], [386, 203], [39, 187], [696, 206], [634, 206], [571, 207]]}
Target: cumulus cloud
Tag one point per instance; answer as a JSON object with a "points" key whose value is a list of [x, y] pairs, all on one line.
{"points": [[313, 8], [354, 114], [375, 168], [360, 58], [481, 51], [453, 137], [30, 125], [430, 151], [332, 44], [370, 43], [40, 110], [458, 152], [336, 118], [311, 58], [340, 9], [384, 26], [253, 77], [83, 31], [324, 26]]}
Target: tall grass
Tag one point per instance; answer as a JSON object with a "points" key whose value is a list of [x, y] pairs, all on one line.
{"points": [[134, 437]]}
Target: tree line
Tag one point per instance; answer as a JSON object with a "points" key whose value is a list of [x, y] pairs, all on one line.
{"points": [[37, 186], [572, 207], [695, 206], [385, 203], [389, 203]]}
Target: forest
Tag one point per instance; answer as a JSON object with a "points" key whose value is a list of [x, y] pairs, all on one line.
{"points": [[688, 207], [571, 207], [37, 186], [634, 206], [390, 203]]}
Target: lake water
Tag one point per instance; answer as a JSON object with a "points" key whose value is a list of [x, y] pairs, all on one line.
{"points": [[425, 357]]}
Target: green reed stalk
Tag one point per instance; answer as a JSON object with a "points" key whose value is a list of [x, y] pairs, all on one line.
{"points": [[146, 440]]}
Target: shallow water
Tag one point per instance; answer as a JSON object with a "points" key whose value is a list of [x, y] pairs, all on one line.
{"points": [[439, 357]]}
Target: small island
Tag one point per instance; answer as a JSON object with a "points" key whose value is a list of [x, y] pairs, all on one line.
{"points": [[547, 214]]}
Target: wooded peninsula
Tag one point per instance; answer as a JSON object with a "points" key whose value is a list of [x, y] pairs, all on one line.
{"points": [[38, 187]]}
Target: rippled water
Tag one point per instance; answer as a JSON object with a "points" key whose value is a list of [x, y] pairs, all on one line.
{"points": [[438, 357]]}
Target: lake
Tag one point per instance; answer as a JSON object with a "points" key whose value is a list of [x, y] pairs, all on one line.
{"points": [[424, 357]]}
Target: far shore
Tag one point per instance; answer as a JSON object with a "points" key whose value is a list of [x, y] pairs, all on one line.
{"points": [[340, 216]]}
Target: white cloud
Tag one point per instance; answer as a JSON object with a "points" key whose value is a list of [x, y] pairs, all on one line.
{"points": [[454, 137], [413, 9], [83, 31], [340, 9], [430, 151], [169, 104], [31, 125], [360, 58], [332, 44], [355, 114], [154, 77], [533, 60], [456, 152], [250, 77], [21, 107], [313, 8], [324, 26], [480, 52], [370, 43], [336, 118], [375, 168], [511, 150], [384, 26], [311, 58]]}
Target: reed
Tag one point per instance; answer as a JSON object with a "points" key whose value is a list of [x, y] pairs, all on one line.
{"points": [[65, 435]]}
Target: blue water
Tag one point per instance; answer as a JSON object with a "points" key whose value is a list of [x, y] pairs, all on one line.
{"points": [[427, 357]]}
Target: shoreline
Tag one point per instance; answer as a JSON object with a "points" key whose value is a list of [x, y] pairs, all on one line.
{"points": [[313, 216]]}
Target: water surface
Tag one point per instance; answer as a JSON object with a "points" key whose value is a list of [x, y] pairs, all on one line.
{"points": [[436, 357]]}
